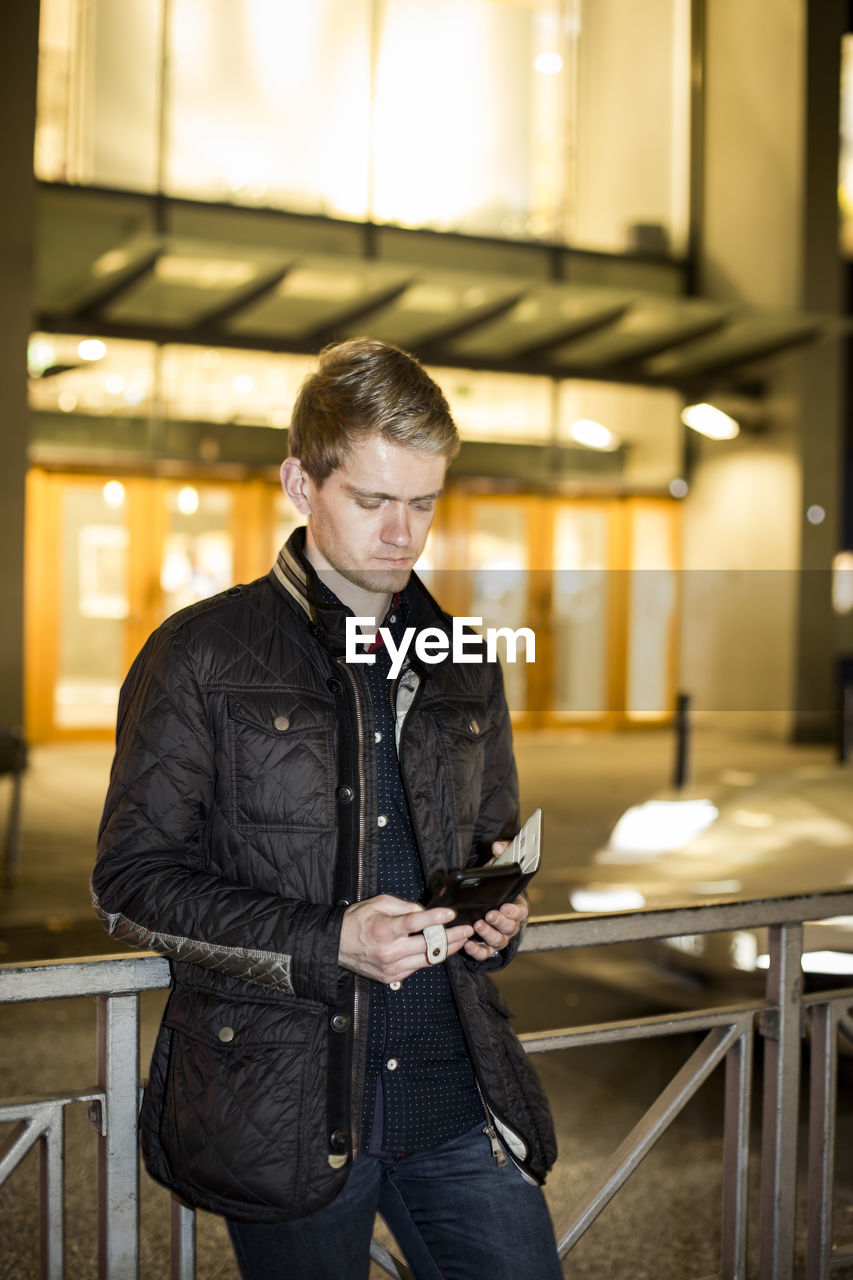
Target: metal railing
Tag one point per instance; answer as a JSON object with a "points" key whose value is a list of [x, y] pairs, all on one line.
{"points": [[728, 1037]]}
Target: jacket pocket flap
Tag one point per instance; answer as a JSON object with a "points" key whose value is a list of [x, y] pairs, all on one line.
{"points": [[240, 1024], [279, 712]]}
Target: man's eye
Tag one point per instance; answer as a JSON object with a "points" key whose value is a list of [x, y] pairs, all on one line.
{"points": [[367, 506], [423, 506]]}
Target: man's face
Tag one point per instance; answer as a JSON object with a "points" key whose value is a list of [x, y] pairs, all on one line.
{"points": [[371, 518]]}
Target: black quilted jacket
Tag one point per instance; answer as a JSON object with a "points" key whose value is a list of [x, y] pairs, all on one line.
{"points": [[240, 821]]}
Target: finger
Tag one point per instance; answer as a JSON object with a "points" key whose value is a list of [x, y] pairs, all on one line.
{"points": [[493, 938], [417, 920], [498, 846], [478, 950]]}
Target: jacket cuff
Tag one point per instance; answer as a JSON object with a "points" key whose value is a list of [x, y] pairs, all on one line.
{"points": [[317, 937]]}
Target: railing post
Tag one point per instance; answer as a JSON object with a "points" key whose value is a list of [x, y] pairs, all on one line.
{"points": [[822, 1115], [118, 1160], [182, 1259], [782, 1030], [736, 1157]]}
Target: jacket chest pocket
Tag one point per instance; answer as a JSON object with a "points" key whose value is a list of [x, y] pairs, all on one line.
{"points": [[282, 760]]}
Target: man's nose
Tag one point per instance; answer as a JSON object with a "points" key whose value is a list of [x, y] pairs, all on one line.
{"points": [[396, 528]]}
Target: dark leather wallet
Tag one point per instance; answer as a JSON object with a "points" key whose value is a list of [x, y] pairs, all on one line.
{"points": [[472, 891]]}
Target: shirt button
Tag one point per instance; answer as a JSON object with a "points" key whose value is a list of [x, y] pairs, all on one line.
{"points": [[382, 821], [378, 736], [395, 986], [393, 618], [391, 1064]]}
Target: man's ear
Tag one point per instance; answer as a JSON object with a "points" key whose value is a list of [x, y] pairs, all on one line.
{"points": [[293, 482]]}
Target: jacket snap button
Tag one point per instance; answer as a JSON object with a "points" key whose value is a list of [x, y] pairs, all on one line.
{"points": [[474, 726], [338, 1140], [335, 685], [340, 1022], [345, 794], [226, 1034], [281, 722]]}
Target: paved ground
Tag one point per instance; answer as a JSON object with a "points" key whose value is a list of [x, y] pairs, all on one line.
{"points": [[664, 1225]]}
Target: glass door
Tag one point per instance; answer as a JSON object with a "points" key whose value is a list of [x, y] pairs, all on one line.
{"points": [[108, 558]]}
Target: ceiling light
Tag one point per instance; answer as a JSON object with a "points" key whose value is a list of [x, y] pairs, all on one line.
{"points": [[91, 349], [593, 435], [549, 63], [113, 493], [188, 500], [40, 356], [710, 422]]}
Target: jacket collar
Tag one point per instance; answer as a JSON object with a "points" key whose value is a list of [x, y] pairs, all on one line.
{"points": [[294, 573]]}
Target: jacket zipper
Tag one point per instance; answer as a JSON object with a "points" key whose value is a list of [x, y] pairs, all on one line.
{"points": [[356, 999]]}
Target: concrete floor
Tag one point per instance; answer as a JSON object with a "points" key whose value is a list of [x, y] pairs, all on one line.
{"points": [[664, 1225]]}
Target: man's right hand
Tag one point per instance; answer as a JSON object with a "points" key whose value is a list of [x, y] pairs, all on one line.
{"points": [[382, 938]]}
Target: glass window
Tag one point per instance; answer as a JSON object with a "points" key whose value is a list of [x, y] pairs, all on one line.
{"points": [[99, 90], [497, 553], [198, 551], [468, 118], [651, 612], [508, 407], [269, 103], [581, 602], [631, 121]]}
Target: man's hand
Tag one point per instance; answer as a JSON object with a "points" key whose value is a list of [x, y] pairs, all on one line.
{"points": [[499, 926], [382, 938]]}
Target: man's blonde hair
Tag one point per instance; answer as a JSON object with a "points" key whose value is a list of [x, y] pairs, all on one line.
{"points": [[361, 387]]}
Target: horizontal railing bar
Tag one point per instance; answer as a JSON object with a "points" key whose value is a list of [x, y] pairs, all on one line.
{"points": [[842, 1258], [670, 1024], [834, 997], [85, 976], [552, 933]]}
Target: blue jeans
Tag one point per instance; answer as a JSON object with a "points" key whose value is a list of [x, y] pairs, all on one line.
{"points": [[455, 1213]]}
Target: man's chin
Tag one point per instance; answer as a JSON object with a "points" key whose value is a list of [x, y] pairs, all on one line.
{"points": [[381, 581]]}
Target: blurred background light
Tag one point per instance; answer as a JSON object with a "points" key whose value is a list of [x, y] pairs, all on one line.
{"points": [[710, 421]]}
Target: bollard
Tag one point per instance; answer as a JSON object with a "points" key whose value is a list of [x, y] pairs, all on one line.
{"points": [[681, 772]]}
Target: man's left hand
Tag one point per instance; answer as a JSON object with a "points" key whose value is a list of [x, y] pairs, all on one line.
{"points": [[499, 926]]}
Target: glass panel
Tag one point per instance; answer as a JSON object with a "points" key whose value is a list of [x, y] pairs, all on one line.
{"points": [[73, 374], [581, 598], [250, 388], [498, 558], [93, 604], [198, 549], [630, 181], [468, 123], [99, 92], [651, 613], [269, 103], [508, 407]]}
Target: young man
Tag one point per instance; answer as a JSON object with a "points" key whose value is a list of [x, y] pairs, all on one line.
{"points": [[275, 812]]}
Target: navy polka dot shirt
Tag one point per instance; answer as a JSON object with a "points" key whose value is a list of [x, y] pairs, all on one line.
{"points": [[419, 1088]]}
